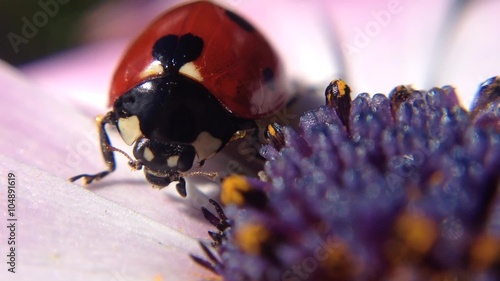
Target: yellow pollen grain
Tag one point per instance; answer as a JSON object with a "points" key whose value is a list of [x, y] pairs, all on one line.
{"points": [[251, 237], [484, 251], [339, 263], [271, 130], [436, 178], [341, 85], [329, 97], [232, 189], [417, 232]]}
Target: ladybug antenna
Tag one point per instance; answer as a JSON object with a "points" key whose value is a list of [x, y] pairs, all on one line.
{"points": [[134, 164], [214, 176]]}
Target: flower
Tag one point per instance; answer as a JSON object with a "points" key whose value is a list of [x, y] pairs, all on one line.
{"points": [[405, 187], [121, 229]]}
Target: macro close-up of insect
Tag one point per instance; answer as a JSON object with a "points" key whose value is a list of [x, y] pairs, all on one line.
{"points": [[197, 77], [283, 140]]}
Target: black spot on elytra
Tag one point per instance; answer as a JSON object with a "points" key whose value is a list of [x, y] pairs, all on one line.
{"points": [[240, 21], [174, 51], [268, 75]]}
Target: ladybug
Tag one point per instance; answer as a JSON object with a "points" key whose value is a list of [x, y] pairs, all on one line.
{"points": [[196, 78]]}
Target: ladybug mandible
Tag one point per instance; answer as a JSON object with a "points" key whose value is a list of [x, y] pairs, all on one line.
{"points": [[194, 79]]}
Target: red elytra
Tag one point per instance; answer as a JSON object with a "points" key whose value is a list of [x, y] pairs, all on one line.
{"points": [[237, 65]]}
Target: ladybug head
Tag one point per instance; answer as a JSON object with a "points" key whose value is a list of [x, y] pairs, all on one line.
{"points": [[172, 120], [163, 161]]}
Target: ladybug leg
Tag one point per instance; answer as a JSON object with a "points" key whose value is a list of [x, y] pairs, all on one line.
{"points": [[181, 187], [106, 149], [275, 136]]}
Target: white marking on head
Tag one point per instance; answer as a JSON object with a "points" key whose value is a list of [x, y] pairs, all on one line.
{"points": [[129, 128], [154, 69], [148, 154], [190, 70], [206, 145], [172, 161]]}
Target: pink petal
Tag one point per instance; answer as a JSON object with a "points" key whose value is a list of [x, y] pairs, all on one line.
{"points": [[68, 233]]}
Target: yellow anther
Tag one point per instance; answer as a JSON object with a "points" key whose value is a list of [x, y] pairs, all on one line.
{"points": [[232, 189], [251, 237], [338, 262], [484, 251], [417, 232], [271, 130], [342, 87]]}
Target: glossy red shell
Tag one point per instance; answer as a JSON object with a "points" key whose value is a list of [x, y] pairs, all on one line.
{"points": [[231, 64]]}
